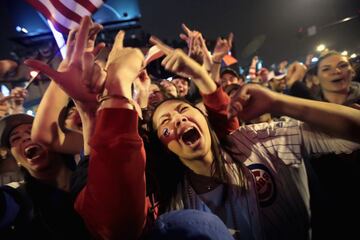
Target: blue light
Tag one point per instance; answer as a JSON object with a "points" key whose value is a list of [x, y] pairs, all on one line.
{"points": [[18, 29], [5, 90], [314, 59], [30, 112]]}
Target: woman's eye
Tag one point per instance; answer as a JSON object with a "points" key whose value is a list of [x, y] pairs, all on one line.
{"points": [[325, 69], [13, 140], [164, 121], [183, 109], [344, 65]]}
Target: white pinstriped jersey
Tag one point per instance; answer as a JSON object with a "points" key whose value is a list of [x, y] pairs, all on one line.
{"points": [[275, 154]]}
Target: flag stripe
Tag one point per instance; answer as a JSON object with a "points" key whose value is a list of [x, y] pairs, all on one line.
{"points": [[66, 14], [88, 5], [97, 3], [69, 24], [65, 11], [44, 10], [79, 9]]}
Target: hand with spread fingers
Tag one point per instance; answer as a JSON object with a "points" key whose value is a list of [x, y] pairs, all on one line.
{"points": [[79, 68], [178, 62], [222, 47], [197, 47]]}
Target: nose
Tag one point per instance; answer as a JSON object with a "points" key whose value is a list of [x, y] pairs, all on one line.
{"points": [[26, 139], [338, 70], [179, 120]]}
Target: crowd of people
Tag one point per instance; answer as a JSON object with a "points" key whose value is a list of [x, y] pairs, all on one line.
{"points": [[113, 153]]}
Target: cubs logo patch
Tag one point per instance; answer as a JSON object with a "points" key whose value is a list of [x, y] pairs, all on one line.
{"points": [[265, 184]]}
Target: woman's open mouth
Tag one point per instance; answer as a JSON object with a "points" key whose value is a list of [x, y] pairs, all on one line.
{"points": [[190, 136], [33, 151], [337, 80]]}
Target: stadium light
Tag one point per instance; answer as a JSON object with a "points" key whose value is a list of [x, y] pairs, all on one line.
{"points": [[320, 48]]}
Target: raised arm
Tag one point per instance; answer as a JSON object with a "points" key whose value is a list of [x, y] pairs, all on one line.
{"points": [[337, 120], [200, 53], [46, 128], [215, 100], [113, 202], [78, 66], [222, 47]]}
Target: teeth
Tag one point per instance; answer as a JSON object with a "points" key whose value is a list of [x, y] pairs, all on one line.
{"points": [[32, 151], [188, 129]]}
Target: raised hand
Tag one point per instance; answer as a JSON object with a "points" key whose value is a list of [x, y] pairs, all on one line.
{"points": [[251, 101], [222, 47], [283, 65], [296, 72], [79, 65], [178, 62], [123, 67], [197, 46], [308, 59], [254, 61]]}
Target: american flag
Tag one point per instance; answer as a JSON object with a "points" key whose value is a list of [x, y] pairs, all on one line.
{"points": [[66, 14]]}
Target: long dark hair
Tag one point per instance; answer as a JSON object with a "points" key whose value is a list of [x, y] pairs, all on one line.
{"points": [[168, 171]]}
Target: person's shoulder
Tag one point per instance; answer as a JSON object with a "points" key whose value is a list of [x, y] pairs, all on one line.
{"points": [[282, 122]]}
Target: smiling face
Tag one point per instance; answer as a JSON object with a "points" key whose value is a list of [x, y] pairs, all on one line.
{"points": [[183, 130], [278, 85], [182, 86], [335, 73], [32, 156], [228, 78]]}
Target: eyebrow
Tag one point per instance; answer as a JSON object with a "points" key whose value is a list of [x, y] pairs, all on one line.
{"points": [[13, 133], [164, 115], [177, 108], [328, 65]]}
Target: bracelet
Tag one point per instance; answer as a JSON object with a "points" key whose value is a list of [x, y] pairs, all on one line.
{"points": [[101, 98]]}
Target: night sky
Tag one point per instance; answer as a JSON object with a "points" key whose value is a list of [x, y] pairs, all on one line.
{"points": [[276, 22]]}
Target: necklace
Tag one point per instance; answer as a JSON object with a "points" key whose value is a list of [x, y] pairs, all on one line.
{"points": [[202, 184]]}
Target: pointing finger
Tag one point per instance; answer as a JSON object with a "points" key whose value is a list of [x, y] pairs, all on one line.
{"points": [[186, 29], [162, 46], [119, 39]]}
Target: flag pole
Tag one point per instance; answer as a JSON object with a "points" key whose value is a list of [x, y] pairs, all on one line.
{"points": [[60, 41]]}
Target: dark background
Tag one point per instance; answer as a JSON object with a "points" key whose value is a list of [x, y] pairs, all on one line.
{"points": [[277, 22]]}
